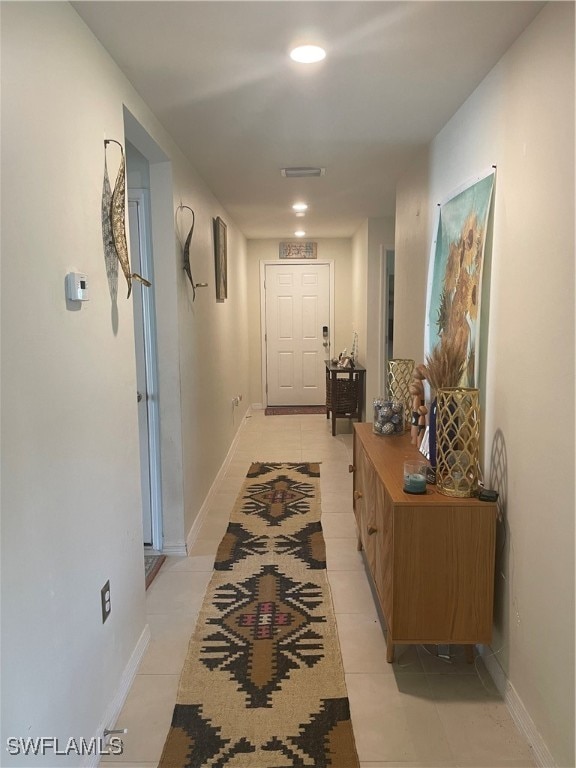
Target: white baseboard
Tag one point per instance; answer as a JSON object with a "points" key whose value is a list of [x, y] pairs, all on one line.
{"points": [[115, 706], [518, 712], [203, 511], [177, 550]]}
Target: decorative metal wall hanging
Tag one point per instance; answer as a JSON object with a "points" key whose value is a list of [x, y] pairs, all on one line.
{"points": [[298, 250], [110, 255], [117, 214], [186, 252]]}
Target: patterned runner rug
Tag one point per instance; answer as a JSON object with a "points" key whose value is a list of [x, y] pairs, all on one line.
{"points": [[263, 683], [152, 564]]}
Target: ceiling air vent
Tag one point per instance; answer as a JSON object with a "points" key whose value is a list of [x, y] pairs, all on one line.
{"points": [[299, 173]]}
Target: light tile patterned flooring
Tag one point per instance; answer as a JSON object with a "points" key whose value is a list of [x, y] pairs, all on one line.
{"points": [[419, 711]]}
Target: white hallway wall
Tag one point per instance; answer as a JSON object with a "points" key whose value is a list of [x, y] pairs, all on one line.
{"points": [[369, 244], [380, 238], [70, 470], [520, 118]]}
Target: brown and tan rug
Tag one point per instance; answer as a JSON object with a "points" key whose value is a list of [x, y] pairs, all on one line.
{"points": [[263, 683], [152, 564]]}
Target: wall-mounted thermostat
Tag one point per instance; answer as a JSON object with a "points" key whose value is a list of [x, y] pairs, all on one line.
{"points": [[77, 287]]}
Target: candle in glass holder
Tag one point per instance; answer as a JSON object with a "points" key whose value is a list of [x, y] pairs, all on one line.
{"points": [[414, 476]]}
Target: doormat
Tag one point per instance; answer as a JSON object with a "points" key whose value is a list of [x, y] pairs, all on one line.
{"points": [[291, 410], [152, 564], [263, 682]]}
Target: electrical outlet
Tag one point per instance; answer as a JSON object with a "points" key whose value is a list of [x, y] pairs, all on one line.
{"points": [[105, 601]]}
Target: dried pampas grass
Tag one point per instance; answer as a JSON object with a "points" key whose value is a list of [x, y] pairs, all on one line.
{"points": [[445, 366]]}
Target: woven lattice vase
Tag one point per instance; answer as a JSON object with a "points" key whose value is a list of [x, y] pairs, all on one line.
{"points": [[398, 378], [457, 441]]}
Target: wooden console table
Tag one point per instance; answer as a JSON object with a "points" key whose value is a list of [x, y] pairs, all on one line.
{"points": [[431, 557], [344, 392]]}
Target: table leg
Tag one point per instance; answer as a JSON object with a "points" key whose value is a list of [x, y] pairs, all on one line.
{"points": [[389, 649], [360, 395], [334, 403]]}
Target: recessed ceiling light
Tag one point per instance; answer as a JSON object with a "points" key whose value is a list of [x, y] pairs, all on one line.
{"points": [[300, 207], [299, 233], [308, 54]]}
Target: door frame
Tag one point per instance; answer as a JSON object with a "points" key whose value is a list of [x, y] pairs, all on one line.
{"points": [[142, 199], [387, 274], [263, 344]]}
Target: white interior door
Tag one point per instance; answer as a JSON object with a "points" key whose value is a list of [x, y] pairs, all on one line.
{"points": [[146, 370], [297, 307]]}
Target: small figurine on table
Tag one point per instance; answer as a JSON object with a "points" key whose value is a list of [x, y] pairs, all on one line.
{"points": [[345, 361], [419, 410]]}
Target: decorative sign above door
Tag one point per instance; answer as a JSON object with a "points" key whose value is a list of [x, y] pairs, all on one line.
{"points": [[298, 250]]}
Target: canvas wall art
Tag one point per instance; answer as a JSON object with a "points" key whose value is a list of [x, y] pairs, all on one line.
{"points": [[220, 258], [455, 274]]}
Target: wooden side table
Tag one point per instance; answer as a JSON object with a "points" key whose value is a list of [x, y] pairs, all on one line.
{"points": [[344, 392]]}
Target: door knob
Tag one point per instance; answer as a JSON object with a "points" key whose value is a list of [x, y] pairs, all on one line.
{"points": [[371, 530], [139, 396], [358, 494]]}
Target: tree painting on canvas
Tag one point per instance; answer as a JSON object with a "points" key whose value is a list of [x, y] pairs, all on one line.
{"points": [[455, 276]]}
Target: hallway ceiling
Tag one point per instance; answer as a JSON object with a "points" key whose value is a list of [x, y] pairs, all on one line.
{"points": [[218, 77]]}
